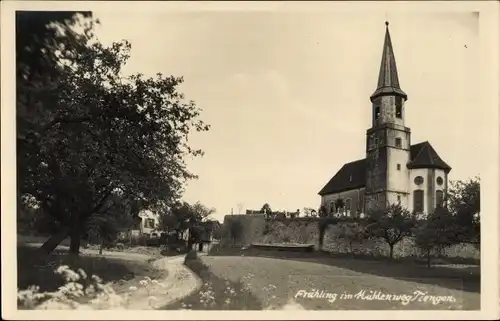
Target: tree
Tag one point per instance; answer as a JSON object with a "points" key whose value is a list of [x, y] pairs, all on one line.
{"points": [[308, 211], [339, 204], [197, 222], [85, 133], [352, 233], [322, 212], [120, 215], [436, 232], [392, 224], [266, 208], [184, 216], [464, 202]]}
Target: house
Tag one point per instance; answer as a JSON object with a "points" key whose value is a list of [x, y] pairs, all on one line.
{"points": [[394, 170], [149, 222]]}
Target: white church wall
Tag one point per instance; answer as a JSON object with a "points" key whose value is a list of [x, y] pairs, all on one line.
{"points": [[404, 198], [397, 179], [429, 186], [422, 172]]}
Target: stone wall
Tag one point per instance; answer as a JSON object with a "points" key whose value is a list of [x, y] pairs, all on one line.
{"points": [[256, 229]]}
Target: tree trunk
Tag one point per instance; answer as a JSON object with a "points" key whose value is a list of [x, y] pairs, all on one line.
{"points": [[101, 245], [75, 238], [51, 244], [428, 258], [391, 250]]}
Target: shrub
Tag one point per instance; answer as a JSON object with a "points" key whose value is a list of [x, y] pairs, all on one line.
{"points": [[191, 255]]}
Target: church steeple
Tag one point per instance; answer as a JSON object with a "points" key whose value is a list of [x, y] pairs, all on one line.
{"points": [[388, 80]]}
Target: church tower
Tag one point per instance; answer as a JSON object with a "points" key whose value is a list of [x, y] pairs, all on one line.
{"points": [[388, 140]]}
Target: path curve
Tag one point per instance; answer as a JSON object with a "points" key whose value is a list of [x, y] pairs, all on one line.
{"points": [[179, 283]]}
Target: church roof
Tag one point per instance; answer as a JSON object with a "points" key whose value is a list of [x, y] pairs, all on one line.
{"points": [[423, 155], [388, 80], [353, 175]]}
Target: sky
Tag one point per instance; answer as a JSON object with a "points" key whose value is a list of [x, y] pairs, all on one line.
{"points": [[287, 93]]}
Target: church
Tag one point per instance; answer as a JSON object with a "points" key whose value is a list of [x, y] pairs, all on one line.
{"points": [[394, 170]]}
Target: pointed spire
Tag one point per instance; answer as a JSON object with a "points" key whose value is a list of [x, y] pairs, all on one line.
{"points": [[388, 80]]}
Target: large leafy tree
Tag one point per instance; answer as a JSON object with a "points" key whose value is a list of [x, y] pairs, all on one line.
{"points": [[464, 202], [86, 133]]}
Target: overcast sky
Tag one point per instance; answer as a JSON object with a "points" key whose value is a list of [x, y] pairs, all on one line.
{"points": [[287, 93]]}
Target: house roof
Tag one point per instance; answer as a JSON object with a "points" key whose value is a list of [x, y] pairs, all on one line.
{"points": [[388, 80], [353, 175]]}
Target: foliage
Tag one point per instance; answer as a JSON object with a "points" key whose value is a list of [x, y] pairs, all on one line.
{"points": [[217, 233], [85, 133], [322, 212], [352, 233], [308, 211], [464, 202], [339, 203], [436, 232], [184, 216], [391, 223], [266, 208], [105, 228]]}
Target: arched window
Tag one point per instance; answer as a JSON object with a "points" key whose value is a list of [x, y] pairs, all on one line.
{"points": [[439, 198], [418, 201], [399, 107]]}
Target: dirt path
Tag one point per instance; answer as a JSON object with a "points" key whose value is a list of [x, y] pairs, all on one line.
{"points": [[179, 283]]}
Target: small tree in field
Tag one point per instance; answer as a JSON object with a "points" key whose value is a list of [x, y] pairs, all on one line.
{"points": [[352, 233], [392, 224], [436, 232]]}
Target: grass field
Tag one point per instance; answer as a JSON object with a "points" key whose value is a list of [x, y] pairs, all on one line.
{"points": [[273, 279]]}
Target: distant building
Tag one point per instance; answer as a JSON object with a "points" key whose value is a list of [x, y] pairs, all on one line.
{"points": [[149, 222], [394, 170], [147, 225]]}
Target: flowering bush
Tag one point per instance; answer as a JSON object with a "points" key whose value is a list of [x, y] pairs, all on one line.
{"points": [[83, 292]]}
